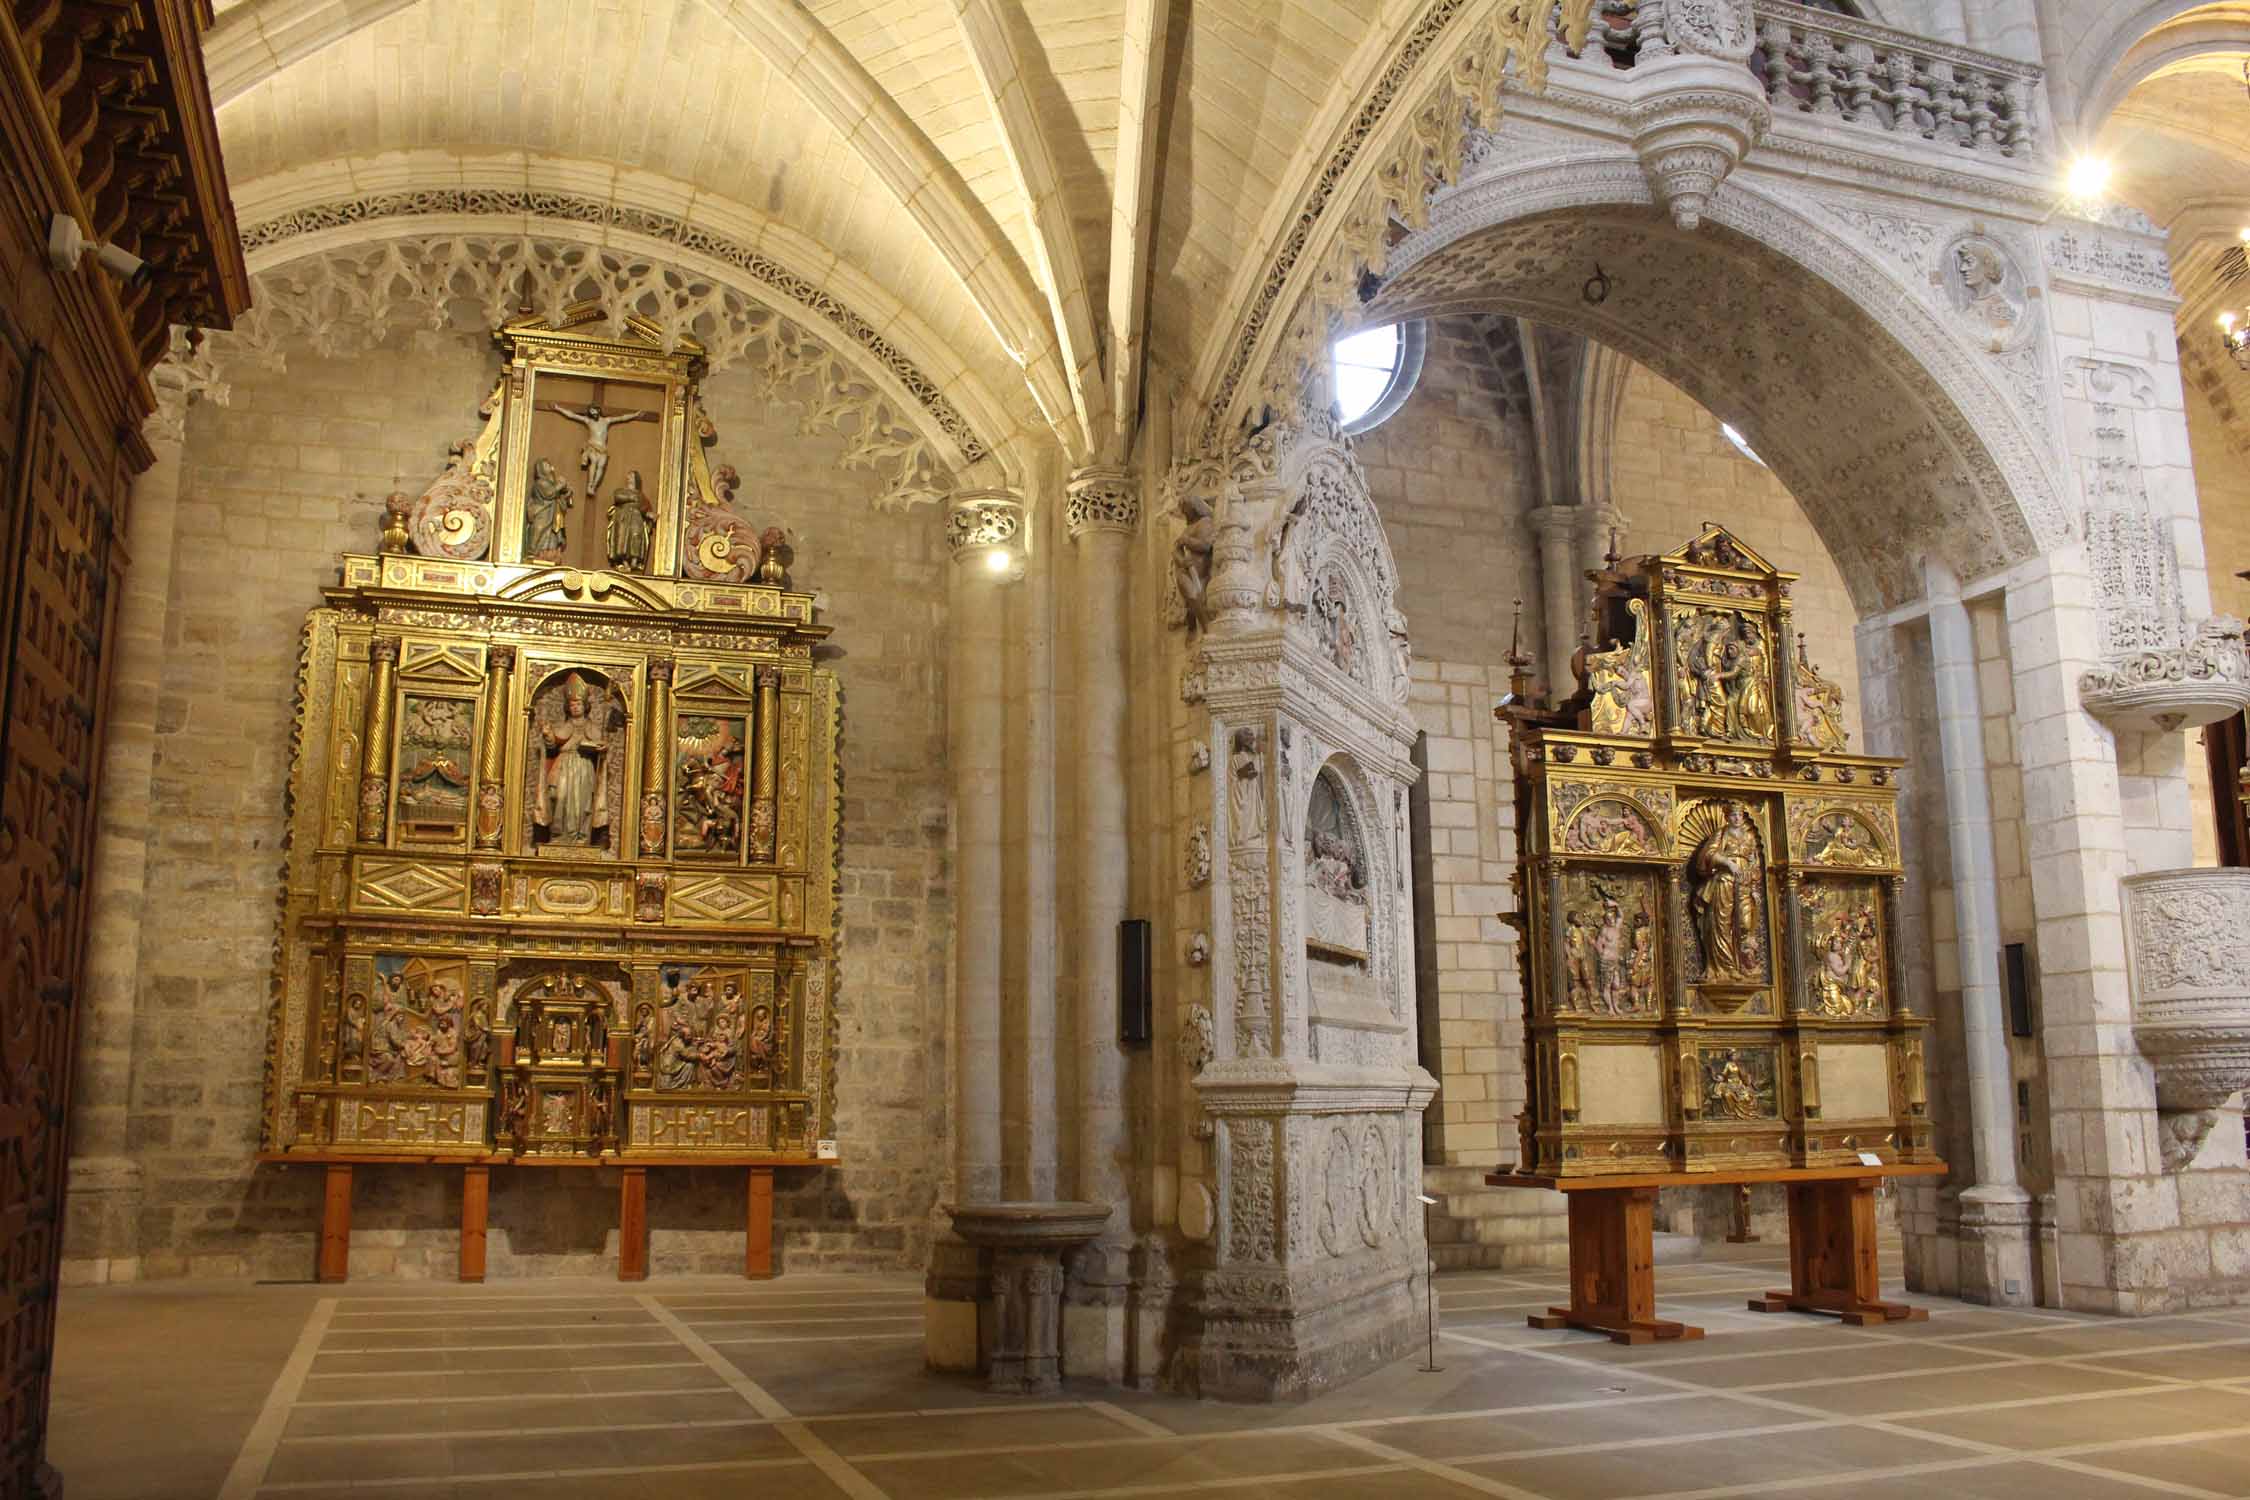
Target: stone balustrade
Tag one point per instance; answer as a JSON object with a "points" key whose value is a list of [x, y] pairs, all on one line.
{"points": [[1813, 62], [1818, 63]]}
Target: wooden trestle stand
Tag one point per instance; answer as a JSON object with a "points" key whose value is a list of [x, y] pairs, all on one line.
{"points": [[334, 1264], [1832, 1254]]}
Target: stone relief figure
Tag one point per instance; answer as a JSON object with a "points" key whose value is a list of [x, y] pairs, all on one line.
{"points": [[705, 1029], [351, 1048], [1838, 838], [1985, 289], [546, 503], [1335, 623], [632, 525], [593, 454], [1727, 892], [1246, 789], [1191, 558], [574, 793], [1338, 913], [414, 1035]]}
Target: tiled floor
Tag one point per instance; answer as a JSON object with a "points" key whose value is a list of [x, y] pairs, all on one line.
{"points": [[812, 1386]]}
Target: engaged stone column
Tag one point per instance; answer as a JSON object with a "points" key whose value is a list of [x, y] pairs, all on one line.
{"points": [[1996, 1212], [101, 1234], [984, 530], [1559, 586], [1103, 513]]}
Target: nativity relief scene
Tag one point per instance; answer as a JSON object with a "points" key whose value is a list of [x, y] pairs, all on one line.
{"points": [[562, 857]]}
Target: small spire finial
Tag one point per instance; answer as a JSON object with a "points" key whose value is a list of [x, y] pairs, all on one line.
{"points": [[1612, 556]]}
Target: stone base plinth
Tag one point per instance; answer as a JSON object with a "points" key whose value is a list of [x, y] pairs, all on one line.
{"points": [[1996, 1247], [1024, 1245], [1277, 1336], [102, 1221], [953, 1297]]}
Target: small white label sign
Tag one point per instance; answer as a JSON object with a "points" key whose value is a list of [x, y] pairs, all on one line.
{"points": [[1869, 1159], [825, 1150]]}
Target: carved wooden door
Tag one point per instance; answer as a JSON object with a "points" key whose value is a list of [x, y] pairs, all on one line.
{"points": [[65, 490]]}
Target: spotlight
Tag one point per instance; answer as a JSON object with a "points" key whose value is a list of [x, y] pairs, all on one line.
{"points": [[998, 560], [2087, 180]]}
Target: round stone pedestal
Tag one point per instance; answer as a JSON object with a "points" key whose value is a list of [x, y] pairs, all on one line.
{"points": [[1027, 1242]]}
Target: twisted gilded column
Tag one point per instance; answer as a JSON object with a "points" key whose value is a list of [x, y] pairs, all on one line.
{"points": [[764, 774], [492, 748], [655, 756], [375, 739]]}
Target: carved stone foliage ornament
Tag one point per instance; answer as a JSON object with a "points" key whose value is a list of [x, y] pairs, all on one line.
{"points": [[341, 301], [2188, 959], [981, 520], [1102, 500]]}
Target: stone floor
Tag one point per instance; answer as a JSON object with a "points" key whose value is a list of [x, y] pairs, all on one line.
{"points": [[813, 1386]]}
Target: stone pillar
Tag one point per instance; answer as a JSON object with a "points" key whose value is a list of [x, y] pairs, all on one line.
{"points": [[1996, 1212], [1030, 997], [101, 1235], [1560, 589], [981, 526], [1104, 511]]}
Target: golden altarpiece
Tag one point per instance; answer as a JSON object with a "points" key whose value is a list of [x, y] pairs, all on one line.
{"points": [[563, 826], [1708, 897]]}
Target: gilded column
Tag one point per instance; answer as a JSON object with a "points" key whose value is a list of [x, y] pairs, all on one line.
{"points": [[762, 810], [656, 759], [1102, 514], [492, 747], [375, 742]]}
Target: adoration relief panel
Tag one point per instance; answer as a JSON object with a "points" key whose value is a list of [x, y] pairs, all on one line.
{"points": [[562, 841], [1708, 893]]}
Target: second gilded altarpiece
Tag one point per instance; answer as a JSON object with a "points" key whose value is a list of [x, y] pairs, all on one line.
{"points": [[563, 828], [1707, 894]]}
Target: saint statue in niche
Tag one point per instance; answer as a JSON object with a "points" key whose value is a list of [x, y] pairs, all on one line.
{"points": [[632, 525], [573, 803], [1334, 622], [545, 504], [1246, 792], [1727, 896], [1338, 914], [593, 454]]}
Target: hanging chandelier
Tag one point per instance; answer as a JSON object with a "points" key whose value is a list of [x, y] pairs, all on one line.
{"points": [[2234, 332]]}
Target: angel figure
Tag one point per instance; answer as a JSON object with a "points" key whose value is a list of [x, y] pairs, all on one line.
{"points": [[593, 454]]}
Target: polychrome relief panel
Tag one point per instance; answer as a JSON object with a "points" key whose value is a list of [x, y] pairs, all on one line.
{"points": [[1723, 675], [436, 751], [707, 785], [1856, 836], [1609, 942], [1844, 948], [713, 1027], [1624, 688], [416, 1028], [1612, 825], [1740, 1083]]}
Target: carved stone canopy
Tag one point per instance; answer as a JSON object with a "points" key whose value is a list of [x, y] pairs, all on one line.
{"points": [[2171, 688]]}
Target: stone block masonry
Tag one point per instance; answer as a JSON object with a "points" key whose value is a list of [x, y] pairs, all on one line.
{"points": [[272, 488]]}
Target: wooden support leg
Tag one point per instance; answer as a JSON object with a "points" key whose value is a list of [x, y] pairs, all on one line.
{"points": [[476, 1186], [757, 1243], [1613, 1269], [1832, 1256], [336, 1225], [632, 1225]]}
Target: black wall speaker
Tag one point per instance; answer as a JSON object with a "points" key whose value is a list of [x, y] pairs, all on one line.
{"points": [[1133, 1003], [2015, 973]]}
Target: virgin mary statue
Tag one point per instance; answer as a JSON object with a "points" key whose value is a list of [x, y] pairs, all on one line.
{"points": [[573, 797], [1725, 899]]}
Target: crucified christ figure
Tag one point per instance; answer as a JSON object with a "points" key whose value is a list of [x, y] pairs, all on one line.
{"points": [[593, 456]]}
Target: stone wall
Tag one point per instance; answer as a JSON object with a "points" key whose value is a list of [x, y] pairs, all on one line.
{"points": [[273, 487], [2222, 486]]}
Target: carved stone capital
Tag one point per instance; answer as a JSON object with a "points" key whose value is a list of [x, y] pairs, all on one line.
{"points": [[979, 521], [2171, 688], [1102, 499]]}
